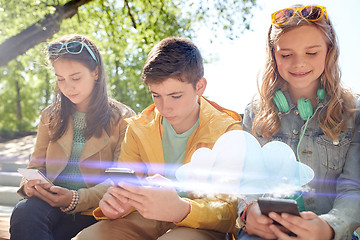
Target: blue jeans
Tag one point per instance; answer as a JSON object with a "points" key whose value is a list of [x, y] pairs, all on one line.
{"points": [[242, 235], [32, 218]]}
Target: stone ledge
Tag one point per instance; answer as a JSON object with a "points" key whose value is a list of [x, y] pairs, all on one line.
{"points": [[8, 196], [10, 179]]}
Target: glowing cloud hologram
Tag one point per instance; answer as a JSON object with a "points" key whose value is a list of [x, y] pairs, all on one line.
{"points": [[237, 164]]}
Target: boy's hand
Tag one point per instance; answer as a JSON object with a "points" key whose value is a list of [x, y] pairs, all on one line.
{"points": [[308, 226], [158, 203], [258, 224], [113, 204]]}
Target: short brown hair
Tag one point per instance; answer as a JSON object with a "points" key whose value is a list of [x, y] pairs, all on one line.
{"points": [[173, 58]]}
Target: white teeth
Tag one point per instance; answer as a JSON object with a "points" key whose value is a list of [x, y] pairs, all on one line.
{"points": [[301, 73]]}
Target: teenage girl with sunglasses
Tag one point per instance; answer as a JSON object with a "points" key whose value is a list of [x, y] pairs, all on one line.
{"points": [[78, 137], [302, 103]]}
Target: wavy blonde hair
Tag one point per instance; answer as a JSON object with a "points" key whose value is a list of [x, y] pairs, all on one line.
{"points": [[341, 104]]}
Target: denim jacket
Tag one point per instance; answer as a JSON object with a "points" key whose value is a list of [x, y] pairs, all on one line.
{"points": [[334, 192]]}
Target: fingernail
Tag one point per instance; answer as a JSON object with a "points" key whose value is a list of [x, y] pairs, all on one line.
{"points": [[272, 215]]}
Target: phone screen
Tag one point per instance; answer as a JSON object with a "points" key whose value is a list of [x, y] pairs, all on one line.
{"points": [[123, 175], [278, 206]]}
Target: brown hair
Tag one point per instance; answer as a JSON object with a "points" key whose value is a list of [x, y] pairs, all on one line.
{"points": [[341, 100], [173, 58], [101, 108]]}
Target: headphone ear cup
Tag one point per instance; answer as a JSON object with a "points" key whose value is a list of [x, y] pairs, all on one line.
{"points": [[305, 108], [280, 101], [321, 94]]}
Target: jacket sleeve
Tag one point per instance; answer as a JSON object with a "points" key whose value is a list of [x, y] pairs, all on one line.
{"points": [[89, 198], [248, 119], [130, 152], [247, 126], [344, 217], [123, 128], [211, 213], [216, 213], [37, 159]]}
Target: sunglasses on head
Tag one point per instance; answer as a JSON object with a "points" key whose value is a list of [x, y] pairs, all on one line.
{"points": [[311, 13], [74, 47]]}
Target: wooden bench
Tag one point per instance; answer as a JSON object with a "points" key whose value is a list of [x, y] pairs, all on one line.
{"points": [[4, 227]]}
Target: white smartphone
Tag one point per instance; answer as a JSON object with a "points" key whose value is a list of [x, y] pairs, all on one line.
{"points": [[34, 174]]}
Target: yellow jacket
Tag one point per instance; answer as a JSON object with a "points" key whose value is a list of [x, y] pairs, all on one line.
{"points": [[98, 153], [143, 145]]}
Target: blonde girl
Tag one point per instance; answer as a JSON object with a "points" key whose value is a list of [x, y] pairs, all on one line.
{"points": [[302, 103]]}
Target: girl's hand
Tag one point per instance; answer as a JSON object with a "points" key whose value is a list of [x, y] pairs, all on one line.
{"points": [[308, 226], [113, 204], [258, 224], [29, 187], [154, 202], [55, 196]]}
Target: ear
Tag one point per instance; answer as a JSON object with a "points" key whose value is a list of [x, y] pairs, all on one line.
{"points": [[201, 86], [96, 73]]}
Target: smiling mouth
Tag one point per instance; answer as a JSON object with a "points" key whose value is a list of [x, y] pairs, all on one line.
{"points": [[300, 74]]}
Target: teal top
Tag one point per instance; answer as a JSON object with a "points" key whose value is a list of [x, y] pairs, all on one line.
{"points": [[174, 148], [71, 177]]}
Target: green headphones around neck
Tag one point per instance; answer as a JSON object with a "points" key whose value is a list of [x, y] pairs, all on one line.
{"points": [[304, 105]]}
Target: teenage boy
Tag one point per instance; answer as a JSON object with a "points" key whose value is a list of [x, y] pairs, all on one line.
{"points": [[163, 137]]}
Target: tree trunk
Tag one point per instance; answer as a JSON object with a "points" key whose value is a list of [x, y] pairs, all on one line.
{"points": [[47, 89], [18, 101], [38, 32]]}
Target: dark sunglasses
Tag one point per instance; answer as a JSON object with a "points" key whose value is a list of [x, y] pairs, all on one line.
{"points": [[74, 47], [311, 12]]}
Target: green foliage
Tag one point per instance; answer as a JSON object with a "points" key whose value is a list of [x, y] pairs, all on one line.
{"points": [[124, 31], [231, 16]]}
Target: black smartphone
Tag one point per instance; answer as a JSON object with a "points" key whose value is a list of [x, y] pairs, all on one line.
{"points": [[123, 175], [278, 206]]}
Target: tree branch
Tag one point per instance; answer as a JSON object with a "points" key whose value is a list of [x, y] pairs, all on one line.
{"points": [[38, 32], [130, 14]]}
